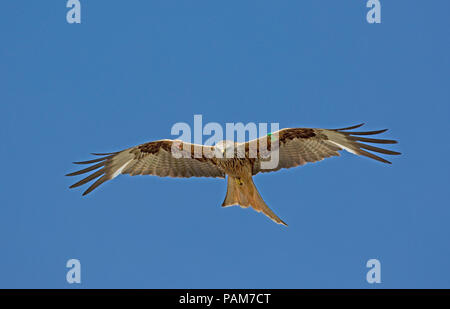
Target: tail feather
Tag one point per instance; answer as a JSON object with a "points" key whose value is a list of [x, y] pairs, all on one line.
{"points": [[245, 194]]}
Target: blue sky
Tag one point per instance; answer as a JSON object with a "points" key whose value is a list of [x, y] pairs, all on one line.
{"points": [[132, 69]]}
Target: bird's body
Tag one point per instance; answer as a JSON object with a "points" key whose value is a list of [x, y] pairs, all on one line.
{"points": [[234, 167], [239, 161]]}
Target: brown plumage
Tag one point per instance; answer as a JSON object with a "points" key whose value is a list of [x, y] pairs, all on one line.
{"points": [[174, 158]]}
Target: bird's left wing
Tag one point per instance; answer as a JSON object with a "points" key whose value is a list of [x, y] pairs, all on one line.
{"points": [[298, 146], [171, 158]]}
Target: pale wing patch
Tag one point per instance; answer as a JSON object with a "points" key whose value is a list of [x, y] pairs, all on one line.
{"points": [[343, 147], [119, 171]]}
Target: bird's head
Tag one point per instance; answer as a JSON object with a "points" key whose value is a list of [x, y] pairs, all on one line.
{"points": [[225, 149]]}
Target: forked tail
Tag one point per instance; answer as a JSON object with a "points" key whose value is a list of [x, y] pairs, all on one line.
{"points": [[243, 192]]}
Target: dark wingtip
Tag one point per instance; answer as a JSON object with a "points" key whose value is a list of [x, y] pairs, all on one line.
{"points": [[371, 140], [350, 128], [366, 132]]}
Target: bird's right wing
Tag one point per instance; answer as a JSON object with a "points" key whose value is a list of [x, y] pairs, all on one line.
{"points": [[161, 158]]}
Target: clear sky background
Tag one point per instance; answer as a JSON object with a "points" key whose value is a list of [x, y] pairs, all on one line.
{"points": [[132, 69]]}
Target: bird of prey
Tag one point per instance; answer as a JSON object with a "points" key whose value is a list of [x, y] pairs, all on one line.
{"points": [[294, 147]]}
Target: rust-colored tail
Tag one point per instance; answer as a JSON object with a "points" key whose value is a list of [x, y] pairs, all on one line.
{"points": [[243, 192]]}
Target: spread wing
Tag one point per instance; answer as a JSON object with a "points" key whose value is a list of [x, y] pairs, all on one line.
{"points": [[299, 146], [153, 158]]}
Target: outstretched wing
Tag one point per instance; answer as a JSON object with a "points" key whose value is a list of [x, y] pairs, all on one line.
{"points": [[301, 145], [161, 158]]}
